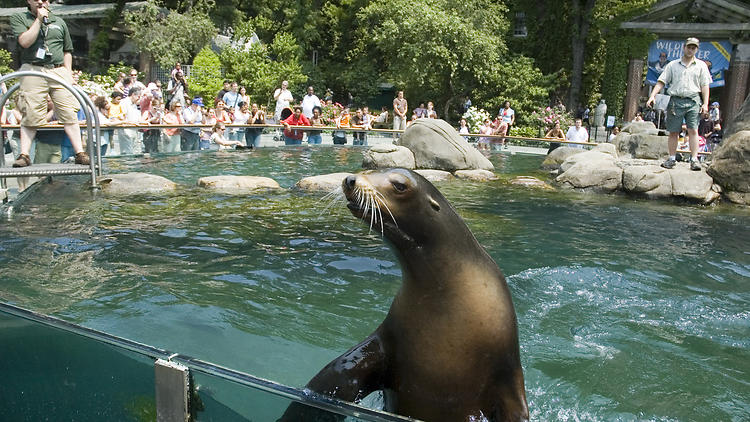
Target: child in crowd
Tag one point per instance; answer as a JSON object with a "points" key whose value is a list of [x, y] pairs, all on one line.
{"points": [[218, 137], [209, 118]]}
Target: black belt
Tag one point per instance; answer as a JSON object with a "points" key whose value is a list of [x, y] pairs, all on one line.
{"points": [[683, 98], [47, 65]]}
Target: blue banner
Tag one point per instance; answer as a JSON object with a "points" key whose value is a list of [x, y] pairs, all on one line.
{"points": [[716, 54]]}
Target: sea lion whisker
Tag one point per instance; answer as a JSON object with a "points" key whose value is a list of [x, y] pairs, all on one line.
{"points": [[385, 205], [336, 195]]}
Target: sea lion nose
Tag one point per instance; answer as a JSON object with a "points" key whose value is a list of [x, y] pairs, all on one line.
{"points": [[350, 181]]}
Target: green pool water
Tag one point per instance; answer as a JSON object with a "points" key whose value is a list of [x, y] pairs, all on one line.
{"points": [[628, 309]]}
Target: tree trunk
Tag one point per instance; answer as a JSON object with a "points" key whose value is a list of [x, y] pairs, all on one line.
{"points": [[582, 14]]}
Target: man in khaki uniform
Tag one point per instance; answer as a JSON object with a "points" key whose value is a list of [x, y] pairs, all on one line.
{"points": [[45, 46], [688, 79]]}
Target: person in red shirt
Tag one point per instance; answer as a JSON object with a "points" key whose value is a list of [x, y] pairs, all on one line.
{"points": [[294, 136]]}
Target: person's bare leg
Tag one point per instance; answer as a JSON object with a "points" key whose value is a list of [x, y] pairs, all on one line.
{"points": [[73, 130], [27, 135], [693, 142], [672, 143]]}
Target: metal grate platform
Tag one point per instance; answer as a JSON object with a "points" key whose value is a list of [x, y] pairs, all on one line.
{"points": [[39, 170]]}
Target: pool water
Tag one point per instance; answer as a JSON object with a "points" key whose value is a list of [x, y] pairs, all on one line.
{"points": [[628, 309]]}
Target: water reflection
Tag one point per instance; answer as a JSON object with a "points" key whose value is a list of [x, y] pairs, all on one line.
{"points": [[628, 310]]}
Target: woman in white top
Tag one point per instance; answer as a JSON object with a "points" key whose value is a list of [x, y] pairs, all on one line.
{"points": [[218, 137], [463, 128], [241, 117], [283, 98]]}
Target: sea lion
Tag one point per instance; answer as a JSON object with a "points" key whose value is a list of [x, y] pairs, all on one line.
{"points": [[448, 348]]}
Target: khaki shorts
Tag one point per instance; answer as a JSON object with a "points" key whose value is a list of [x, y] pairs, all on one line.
{"points": [[681, 110], [32, 97]]}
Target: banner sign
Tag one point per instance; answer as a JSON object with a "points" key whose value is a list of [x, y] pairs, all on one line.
{"points": [[716, 54]]}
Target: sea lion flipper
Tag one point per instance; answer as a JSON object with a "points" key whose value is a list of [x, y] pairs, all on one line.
{"points": [[351, 376]]}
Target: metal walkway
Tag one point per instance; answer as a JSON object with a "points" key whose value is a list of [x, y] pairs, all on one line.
{"points": [[92, 128]]}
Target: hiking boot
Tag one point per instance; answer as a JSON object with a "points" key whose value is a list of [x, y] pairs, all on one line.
{"points": [[669, 163], [23, 160], [83, 158], [695, 165]]}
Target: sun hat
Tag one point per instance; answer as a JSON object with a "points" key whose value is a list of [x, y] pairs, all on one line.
{"points": [[692, 41]]}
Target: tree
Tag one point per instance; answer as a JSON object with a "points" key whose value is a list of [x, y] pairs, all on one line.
{"points": [[162, 33], [205, 76], [261, 67]]}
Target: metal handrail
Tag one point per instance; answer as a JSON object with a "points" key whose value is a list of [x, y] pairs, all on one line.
{"points": [[303, 396], [83, 100]]}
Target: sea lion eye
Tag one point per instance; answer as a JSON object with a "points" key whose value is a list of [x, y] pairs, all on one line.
{"points": [[400, 187]]}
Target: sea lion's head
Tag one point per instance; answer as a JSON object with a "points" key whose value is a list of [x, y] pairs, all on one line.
{"points": [[405, 207]]}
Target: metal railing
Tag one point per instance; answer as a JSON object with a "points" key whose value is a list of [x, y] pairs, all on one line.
{"points": [[299, 395], [92, 127]]}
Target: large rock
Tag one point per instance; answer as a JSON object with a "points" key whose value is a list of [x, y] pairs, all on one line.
{"points": [[237, 184], [730, 167], [606, 148], [692, 185], [435, 175], [652, 181], [529, 181], [643, 127], [437, 145], [126, 184], [642, 145], [322, 183], [591, 170], [387, 156], [558, 156], [475, 175]]}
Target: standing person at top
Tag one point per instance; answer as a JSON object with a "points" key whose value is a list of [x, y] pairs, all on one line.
{"points": [[714, 113], [179, 90], [283, 98], [190, 137], [243, 95], [134, 82], [399, 111], [555, 133], [310, 101], [577, 133], [420, 111], [45, 46], [232, 99], [509, 117], [294, 136], [430, 112], [129, 138], [688, 80], [177, 68], [225, 88]]}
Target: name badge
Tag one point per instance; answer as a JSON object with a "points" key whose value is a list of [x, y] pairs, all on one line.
{"points": [[40, 53]]}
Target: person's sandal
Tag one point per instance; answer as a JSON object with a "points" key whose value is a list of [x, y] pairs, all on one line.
{"points": [[23, 160], [83, 158]]}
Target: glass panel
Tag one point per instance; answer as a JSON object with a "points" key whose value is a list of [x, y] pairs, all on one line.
{"points": [[223, 400], [50, 374]]}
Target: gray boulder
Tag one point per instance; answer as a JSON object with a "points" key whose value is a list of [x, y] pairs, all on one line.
{"points": [[387, 156], [591, 170], [529, 182], [322, 183], [606, 148], [558, 156], [126, 184], [475, 175], [642, 145], [650, 180], [692, 185], [730, 167], [435, 175], [437, 145], [237, 185], [634, 128]]}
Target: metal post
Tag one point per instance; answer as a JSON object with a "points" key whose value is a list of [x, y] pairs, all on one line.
{"points": [[172, 391]]}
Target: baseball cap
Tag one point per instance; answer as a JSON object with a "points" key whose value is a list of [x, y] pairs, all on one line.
{"points": [[714, 103], [692, 41], [198, 101]]}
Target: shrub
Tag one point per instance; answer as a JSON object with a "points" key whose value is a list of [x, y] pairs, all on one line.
{"points": [[205, 76]]}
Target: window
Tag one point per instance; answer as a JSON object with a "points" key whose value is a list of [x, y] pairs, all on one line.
{"points": [[519, 29]]}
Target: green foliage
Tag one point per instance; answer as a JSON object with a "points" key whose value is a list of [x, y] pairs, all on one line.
{"points": [[205, 75], [5, 61], [99, 48], [165, 36], [434, 50], [261, 67]]}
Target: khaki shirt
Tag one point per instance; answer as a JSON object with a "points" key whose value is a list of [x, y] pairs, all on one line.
{"points": [[685, 81], [57, 38]]}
